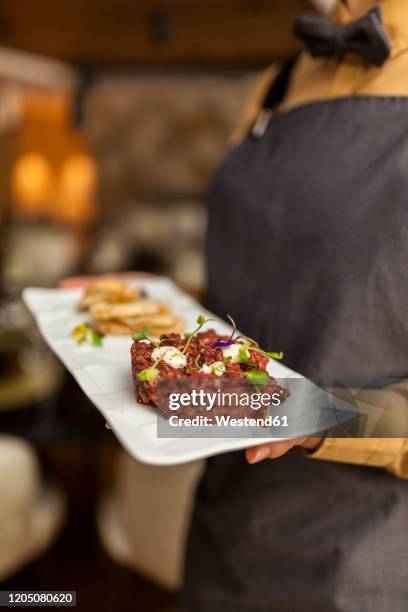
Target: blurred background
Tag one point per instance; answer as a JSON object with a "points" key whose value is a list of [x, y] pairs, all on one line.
{"points": [[113, 117]]}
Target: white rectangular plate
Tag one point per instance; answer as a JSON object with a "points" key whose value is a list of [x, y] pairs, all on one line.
{"points": [[104, 373]]}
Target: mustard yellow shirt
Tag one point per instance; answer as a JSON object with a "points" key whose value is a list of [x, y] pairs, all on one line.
{"points": [[320, 79]]}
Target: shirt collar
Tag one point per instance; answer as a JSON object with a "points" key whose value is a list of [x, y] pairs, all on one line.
{"points": [[395, 18]]}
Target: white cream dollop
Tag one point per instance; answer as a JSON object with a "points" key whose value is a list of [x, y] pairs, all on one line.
{"points": [[217, 368], [232, 352], [170, 355]]}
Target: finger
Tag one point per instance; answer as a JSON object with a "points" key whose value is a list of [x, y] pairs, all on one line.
{"points": [[272, 450], [257, 454]]}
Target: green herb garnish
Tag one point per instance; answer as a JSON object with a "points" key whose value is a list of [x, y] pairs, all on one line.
{"points": [[148, 374], [201, 321], [277, 356], [96, 339], [141, 335], [258, 377], [84, 333], [243, 358]]}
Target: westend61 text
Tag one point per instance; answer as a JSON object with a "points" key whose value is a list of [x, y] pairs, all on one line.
{"points": [[227, 421]]}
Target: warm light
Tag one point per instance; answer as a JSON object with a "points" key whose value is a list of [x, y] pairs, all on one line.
{"points": [[32, 182], [76, 188]]}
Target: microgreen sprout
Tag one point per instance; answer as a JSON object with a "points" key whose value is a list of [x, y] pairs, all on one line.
{"points": [[201, 321], [277, 356], [258, 377], [197, 360], [143, 334], [250, 344], [243, 356], [234, 326], [251, 341]]}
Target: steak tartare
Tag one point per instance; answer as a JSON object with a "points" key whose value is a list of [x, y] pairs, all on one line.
{"points": [[202, 360]]}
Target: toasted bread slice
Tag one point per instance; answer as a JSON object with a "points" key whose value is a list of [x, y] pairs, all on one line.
{"points": [[168, 323], [109, 291], [104, 311], [157, 324], [111, 328]]}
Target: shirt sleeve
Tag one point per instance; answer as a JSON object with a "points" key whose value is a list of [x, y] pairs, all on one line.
{"points": [[390, 451]]}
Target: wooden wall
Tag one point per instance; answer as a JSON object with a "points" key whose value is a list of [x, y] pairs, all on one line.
{"points": [[152, 32]]}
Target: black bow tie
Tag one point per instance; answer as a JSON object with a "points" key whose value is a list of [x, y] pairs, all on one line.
{"points": [[365, 36]]}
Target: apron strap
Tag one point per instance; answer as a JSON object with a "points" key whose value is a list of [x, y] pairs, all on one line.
{"points": [[275, 95]]}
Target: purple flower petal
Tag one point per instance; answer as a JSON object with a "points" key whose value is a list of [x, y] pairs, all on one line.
{"points": [[223, 344]]}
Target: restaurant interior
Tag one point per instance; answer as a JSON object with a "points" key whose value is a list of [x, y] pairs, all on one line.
{"points": [[113, 118]]}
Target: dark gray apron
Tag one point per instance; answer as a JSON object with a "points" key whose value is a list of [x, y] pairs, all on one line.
{"points": [[308, 250]]}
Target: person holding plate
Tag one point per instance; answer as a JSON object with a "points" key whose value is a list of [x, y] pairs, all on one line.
{"points": [[308, 248]]}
